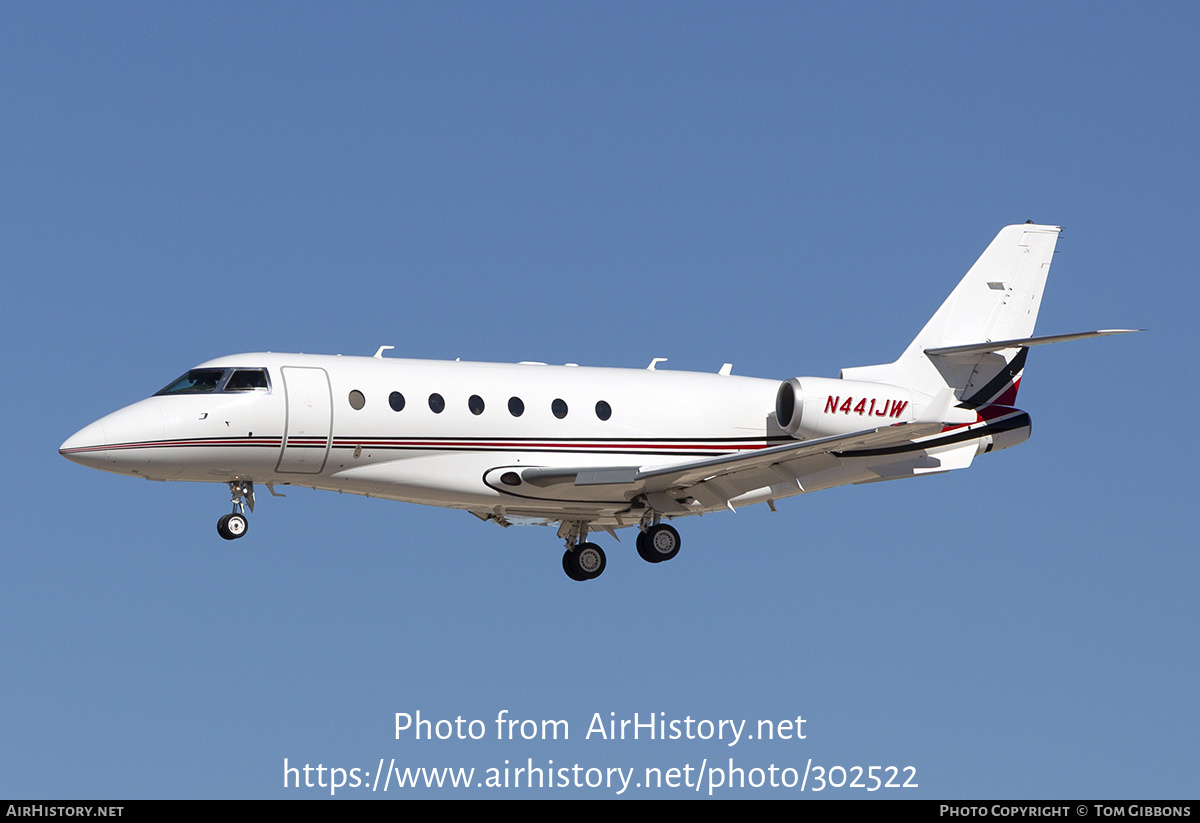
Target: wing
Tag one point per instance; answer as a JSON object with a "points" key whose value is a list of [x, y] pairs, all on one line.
{"points": [[699, 485]]}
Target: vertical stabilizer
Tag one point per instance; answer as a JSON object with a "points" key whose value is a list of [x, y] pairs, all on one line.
{"points": [[998, 299]]}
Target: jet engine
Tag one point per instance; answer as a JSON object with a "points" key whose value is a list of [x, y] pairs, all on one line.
{"points": [[810, 407]]}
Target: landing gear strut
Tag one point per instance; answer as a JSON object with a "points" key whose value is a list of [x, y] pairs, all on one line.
{"points": [[232, 526]]}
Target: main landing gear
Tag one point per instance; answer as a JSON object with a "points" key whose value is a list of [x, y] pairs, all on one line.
{"points": [[658, 543], [586, 561], [232, 526]]}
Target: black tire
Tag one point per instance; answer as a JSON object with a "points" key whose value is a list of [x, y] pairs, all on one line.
{"points": [[662, 542], [569, 566], [643, 550], [232, 526]]}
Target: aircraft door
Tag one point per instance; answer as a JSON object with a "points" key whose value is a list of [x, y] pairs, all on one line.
{"points": [[309, 423]]}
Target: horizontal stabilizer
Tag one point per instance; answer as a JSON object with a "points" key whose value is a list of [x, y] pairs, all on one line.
{"points": [[1000, 345]]}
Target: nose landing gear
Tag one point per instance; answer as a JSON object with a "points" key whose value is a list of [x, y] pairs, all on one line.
{"points": [[232, 526]]}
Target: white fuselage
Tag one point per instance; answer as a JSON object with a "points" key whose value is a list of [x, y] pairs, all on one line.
{"points": [[306, 429]]}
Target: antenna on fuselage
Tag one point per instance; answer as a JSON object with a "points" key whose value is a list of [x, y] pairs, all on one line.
{"points": [[382, 349], [655, 362]]}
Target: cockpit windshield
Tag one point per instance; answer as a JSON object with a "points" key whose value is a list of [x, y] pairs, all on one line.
{"points": [[202, 381], [197, 381]]}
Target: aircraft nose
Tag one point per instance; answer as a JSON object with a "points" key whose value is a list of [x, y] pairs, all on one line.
{"points": [[86, 446], [113, 442]]}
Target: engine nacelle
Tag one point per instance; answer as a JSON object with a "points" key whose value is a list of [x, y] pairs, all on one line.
{"points": [[809, 407], [1008, 427]]}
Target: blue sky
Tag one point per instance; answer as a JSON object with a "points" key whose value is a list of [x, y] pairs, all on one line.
{"points": [[792, 188]]}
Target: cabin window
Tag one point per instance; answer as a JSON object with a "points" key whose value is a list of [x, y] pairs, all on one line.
{"points": [[559, 407], [515, 406], [603, 410], [357, 400], [247, 380], [196, 381], [436, 403], [475, 404], [396, 401]]}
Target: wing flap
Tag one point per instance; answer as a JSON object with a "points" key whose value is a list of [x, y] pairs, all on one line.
{"points": [[713, 482], [680, 476]]}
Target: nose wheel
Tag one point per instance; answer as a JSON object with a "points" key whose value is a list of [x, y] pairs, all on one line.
{"points": [[234, 525]]}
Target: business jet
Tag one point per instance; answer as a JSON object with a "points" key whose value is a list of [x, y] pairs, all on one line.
{"points": [[596, 449]]}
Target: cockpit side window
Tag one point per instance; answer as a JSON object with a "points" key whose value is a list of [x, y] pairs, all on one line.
{"points": [[247, 380], [196, 381]]}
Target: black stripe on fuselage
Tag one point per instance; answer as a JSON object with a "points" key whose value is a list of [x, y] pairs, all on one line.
{"points": [[1015, 421]]}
